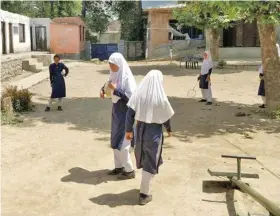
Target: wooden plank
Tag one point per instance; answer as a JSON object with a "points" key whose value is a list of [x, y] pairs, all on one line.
{"points": [[230, 174], [240, 157]]}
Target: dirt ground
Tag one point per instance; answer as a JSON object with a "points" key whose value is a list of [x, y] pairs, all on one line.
{"points": [[56, 163]]}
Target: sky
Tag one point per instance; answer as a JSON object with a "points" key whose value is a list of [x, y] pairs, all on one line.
{"points": [[147, 3]]}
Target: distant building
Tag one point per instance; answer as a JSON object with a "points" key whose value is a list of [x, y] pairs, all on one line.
{"points": [[15, 33], [112, 34], [40, 34], [240, 41], [68, 37]]}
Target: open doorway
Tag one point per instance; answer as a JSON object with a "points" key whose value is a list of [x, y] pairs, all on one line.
{"points": [[3, 37], [229, 37], [41, 38], [11, 41]]}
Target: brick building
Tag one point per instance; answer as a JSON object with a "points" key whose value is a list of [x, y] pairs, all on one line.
{"points": [[68, 37]]}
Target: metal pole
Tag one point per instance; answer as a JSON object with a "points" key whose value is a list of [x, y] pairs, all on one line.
{"points": [[267, 204], [238, 168]]}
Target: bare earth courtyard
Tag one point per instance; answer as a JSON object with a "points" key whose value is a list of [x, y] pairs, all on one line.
{"points": [[55, 163]]}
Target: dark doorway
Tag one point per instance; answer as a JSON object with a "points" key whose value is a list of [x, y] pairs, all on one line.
{"points": [[11, 41], [3, 37], [250, 34], [41, 38], [31, 39], [229, 37]]}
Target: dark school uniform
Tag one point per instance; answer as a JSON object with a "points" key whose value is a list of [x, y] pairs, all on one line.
{"points": [[57, 80], [148, 142]]}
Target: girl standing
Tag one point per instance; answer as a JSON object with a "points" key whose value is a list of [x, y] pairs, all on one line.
{"points": [[57, 82], [149, 105], [261, 91], [122, 84], [204, 78]]}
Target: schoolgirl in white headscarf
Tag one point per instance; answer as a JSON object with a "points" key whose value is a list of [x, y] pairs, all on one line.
{"points": [[204, 78], [122, 84], [150, 107]]}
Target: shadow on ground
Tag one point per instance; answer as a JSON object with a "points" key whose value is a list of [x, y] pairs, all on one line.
{"points": [[220, 187], [82, 176], [129, 198], [175, 70], [191, 119]]}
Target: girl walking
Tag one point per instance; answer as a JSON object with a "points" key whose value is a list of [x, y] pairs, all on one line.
{"points": [[148, 105], [122, 84], [57, 82]]}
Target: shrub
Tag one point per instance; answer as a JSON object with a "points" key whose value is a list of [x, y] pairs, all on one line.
{"points": [[222, 64], [21, 98]]}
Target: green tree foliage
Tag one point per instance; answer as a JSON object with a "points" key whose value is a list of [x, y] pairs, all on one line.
{"points": [[97, 17], [43, 9], [203, 14], [130, 16], [208, 15]]}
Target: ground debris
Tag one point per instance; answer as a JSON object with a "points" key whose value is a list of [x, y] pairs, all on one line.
{"points": [[242, 114]]}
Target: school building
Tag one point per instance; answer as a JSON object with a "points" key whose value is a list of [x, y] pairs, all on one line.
{"points": [[238, 42]]}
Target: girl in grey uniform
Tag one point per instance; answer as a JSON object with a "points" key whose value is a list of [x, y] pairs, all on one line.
{"points": [[150, 107], [122, 84], [204, 78]]}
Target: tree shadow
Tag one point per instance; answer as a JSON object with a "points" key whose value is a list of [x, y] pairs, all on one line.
{"points": [[191, 119], [176, 71], [82, 176], [221, 187], [128, 198]]}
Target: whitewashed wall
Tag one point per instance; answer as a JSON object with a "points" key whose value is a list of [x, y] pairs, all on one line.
{"points": [[16, 19], [40, 22]]}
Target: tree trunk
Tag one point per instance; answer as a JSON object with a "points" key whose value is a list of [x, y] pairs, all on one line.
{"points": [[213, 38], [271, 65], [52, 8]]}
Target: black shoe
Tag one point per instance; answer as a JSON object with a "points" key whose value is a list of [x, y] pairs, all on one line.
{"points": [[127, 175], [59, 108], [144, 199], [115, 171], [262, 106], [47, 109], [202, 100], [209, 103]]}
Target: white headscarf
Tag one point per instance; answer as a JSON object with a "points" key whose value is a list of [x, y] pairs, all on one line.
{"points": [[149, 101], [123, 78], [278, 49], [206, 64]]}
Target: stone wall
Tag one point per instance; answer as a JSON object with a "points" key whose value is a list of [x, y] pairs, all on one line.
{"points": [[11, 68]]}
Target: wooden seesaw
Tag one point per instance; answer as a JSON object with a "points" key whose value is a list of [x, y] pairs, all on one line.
{"points": [[235, 179]]}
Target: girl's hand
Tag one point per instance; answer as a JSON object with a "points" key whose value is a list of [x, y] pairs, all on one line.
{"points": [[129, 135], [169, 134], [112, 86], [208, 78], [101, 95]]}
